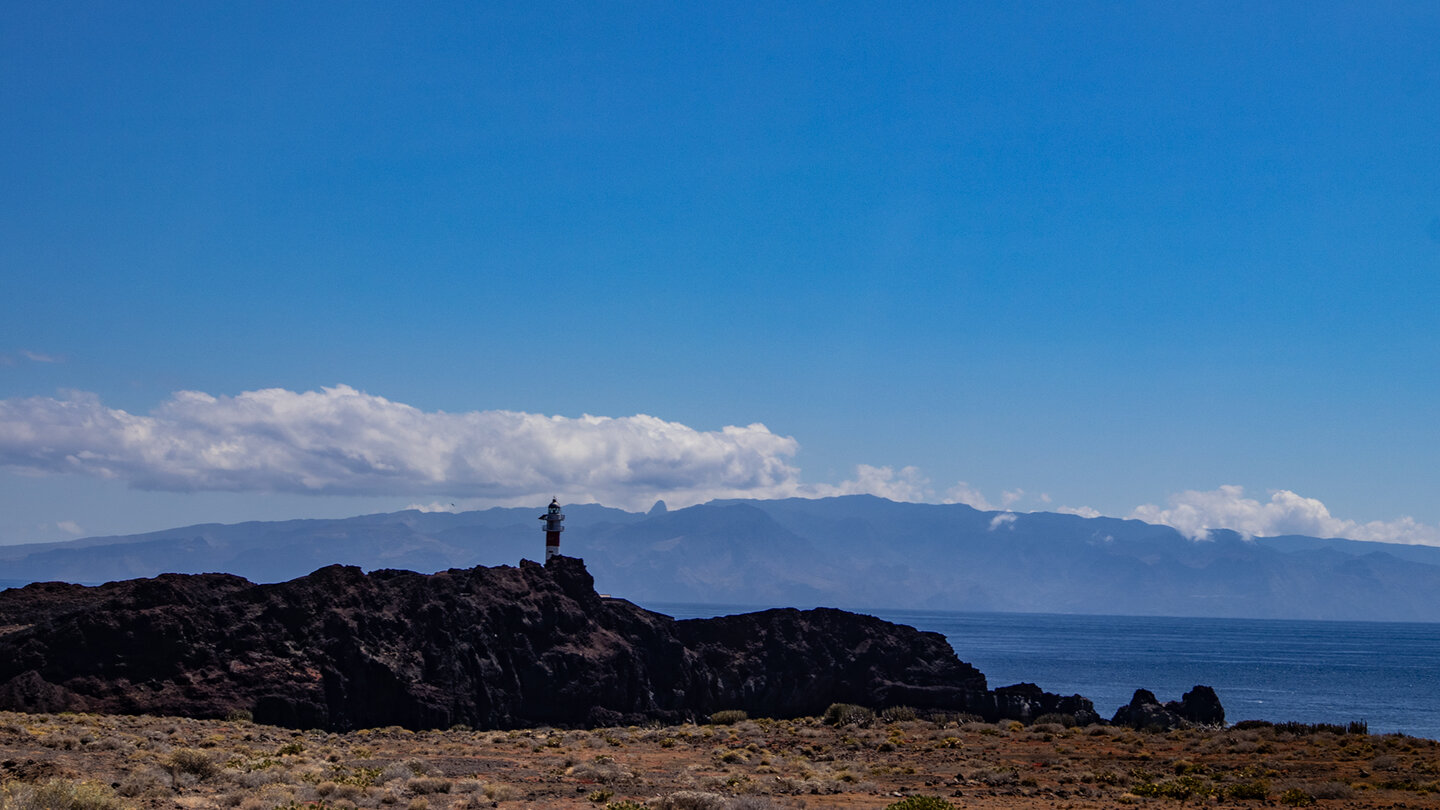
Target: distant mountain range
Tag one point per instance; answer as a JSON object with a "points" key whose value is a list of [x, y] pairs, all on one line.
{"points": [[854, 552]]}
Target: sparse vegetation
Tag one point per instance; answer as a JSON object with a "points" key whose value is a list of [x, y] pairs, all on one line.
{"points": [[921, 803], [193, 762], [849, 714], [59, 794], [897, 714], [848, 758]]}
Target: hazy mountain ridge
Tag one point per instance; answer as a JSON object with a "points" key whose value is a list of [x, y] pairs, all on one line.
{"points": [[853, 551]]}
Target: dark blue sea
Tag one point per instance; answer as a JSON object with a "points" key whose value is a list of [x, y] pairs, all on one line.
{"points": [[1387, 674]]}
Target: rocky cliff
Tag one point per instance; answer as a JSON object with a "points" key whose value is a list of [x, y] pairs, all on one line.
{"points": [[487, 647]]}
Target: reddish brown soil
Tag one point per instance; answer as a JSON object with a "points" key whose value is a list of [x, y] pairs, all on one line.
{"points": [[153, 762]]}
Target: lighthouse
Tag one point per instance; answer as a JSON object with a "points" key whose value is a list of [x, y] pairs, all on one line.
{"points": [[554, 521]]}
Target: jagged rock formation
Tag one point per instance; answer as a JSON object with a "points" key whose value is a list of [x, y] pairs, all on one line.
{"points": [[1198, 707], [488, 647]]}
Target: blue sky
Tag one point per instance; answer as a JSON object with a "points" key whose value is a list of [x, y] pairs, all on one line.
{"points": [[1095, 255]]}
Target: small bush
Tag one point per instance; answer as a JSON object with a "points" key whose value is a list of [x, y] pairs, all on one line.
{"points": [[1305, 729], [690, 800], [1257, 789], [1249, 725], [1181, 789], [601, 795], [625, 805], [499, 792], [728, 717], [602, 769], [897, 714], [192, 761], [946, 719], [1295, 797], [920, 803], [429, 784], [148, 782], [60, 794], [848, 714]]}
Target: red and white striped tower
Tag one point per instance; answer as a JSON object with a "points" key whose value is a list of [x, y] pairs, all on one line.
{"points": [[553, 520]]}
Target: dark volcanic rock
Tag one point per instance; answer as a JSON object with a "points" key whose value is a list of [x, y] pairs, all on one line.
{"points": [[488, 647], [1026, 702], [1198, 707]]}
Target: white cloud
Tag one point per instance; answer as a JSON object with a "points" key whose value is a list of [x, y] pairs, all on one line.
{"points": [[1195, 513], [1002, 519], [968, 495], [34, 357], [343, 441], [437, 506], [1009, 497], [70, 527], [906, 485], [1082, 511]]}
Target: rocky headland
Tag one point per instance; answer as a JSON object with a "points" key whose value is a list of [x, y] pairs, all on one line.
{"points": [[501, 647]]}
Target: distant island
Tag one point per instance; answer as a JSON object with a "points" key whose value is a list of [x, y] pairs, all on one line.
{"points": [[857, 552]]}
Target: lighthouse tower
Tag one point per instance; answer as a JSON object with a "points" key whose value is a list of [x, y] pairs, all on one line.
{"points": [[553, 526]]}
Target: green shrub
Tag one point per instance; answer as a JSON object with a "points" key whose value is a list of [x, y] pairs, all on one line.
{"points": [[192, 761], [625, 805], [944, 719], [1295, 797], [728, 717], [897, 714], [429, 784], [921, 803], [848, 714], [1181, 789], [1257, 789], [60, 794], [690, 800], [1249, 725]]}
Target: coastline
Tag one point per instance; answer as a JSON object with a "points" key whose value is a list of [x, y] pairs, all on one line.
{"points": [[1279, 670]]}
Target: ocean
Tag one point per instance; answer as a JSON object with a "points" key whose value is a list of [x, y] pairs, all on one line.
{"points": [[1387, 674]]}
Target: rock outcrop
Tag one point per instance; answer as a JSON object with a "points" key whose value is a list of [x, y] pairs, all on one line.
{"points": [[487, 647], [1198, 707]]}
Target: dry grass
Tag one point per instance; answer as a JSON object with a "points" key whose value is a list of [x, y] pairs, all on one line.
{"points": [[100, 762]]}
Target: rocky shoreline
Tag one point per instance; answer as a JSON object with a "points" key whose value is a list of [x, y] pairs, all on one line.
{"points": [[502, 647]]}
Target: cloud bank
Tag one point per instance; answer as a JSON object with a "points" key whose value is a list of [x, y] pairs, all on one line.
{"points": [[340, 441], [343, 441], [1196, 513]]}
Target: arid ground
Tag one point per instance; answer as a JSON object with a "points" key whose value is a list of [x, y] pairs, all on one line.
{"points": [[102, 761]]}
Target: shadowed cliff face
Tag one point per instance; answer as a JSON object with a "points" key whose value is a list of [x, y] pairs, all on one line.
{"points": [[488, 647]]}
